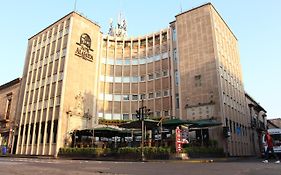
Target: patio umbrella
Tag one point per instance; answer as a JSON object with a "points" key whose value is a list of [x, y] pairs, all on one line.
{"points": [[205, 123], [175, 122], [150, 124], [104, 132]]}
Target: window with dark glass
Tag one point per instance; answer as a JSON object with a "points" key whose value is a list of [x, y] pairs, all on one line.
{"points": [[42, 132], [55, 130], [8, 110]]}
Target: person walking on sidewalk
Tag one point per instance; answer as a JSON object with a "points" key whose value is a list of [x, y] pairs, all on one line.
{"points": [[269, 141]]}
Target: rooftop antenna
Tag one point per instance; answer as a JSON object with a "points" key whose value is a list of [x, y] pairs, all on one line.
{"points": [[181, 6], [75, 2]]}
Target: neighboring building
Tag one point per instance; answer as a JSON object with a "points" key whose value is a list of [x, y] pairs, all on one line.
{"points": [[257, 116], [274, 123], [74, 75], [9, 94], [209, 77]]}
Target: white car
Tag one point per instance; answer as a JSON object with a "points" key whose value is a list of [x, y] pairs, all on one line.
{"points": [[276, 136]]}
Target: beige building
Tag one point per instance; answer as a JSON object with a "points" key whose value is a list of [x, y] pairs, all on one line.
{"points": [[75, 75], [258, 124], [9, 93]]}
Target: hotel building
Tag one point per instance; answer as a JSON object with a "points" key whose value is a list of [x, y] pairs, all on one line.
{"points": [[74, 76]]}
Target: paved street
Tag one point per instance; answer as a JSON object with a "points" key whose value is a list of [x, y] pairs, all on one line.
{"points": [[33, 166]]}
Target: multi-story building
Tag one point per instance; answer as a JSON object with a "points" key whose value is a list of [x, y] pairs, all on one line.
{"points": [[75, 75], [9, 93], [258, 124]]}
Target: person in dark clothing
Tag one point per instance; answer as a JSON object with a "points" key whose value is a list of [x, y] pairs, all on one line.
{"points": [[269, 141]]}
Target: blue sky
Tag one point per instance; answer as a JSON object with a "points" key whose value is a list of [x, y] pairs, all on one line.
{"points": [[256, 24]]}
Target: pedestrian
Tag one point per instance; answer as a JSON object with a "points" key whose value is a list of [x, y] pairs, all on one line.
{"points": [[269, 141]]}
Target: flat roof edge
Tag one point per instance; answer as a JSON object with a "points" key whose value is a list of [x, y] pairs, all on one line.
{"points": [[69, 14]]}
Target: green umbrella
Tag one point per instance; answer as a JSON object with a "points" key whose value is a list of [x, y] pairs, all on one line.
{"points": [[175, 122], [150, 124], [205, 123], [104, 132]]}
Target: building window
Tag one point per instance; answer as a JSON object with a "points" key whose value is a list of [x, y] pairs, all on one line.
{"points": [[36, 132], [177, 101], [26, 133], [165, 73], [135, 79], [117, 97], [150, 76], [157, 75], [166, 93], [151, 95], [157, 113], [135, 97], [126, 117], [142, 78], [164, 37], [126, 97], [142, 97], [8, 108], [176, 78], [100, 115], [158, 94], [174, 34], [55, 129], [166, 113], [142, 43], [108, 97], [108, 116], [127, 62], [116, 116], [230, 125], [135, 62], [197, 79], [175, 54], [42, 132], [125, 79], [30, 132]]}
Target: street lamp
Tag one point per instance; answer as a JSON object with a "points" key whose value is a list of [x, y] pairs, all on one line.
{"points": [[141, 114]]}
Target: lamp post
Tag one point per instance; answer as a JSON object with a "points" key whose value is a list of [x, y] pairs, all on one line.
{"points": [[141, 114], [142, 140]]}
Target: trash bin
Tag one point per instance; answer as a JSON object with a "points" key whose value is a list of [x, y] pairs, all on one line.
{"points": [[4, 150]]}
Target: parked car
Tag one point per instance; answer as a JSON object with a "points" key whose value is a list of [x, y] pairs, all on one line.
{"points": [[275, 133]]}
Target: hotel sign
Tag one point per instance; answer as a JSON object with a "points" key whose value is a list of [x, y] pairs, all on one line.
{"points": [[83, 49]]}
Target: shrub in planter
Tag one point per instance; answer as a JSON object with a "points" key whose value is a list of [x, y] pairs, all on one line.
{"points": [[204, 151], [129, 153], [149, 152], [88, 152]]}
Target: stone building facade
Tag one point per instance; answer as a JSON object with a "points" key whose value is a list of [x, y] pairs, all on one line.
{"points": [[258, 124], [75, 75], [9, 93]]}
